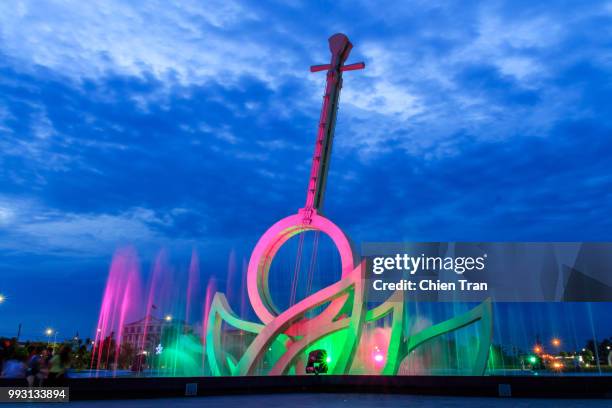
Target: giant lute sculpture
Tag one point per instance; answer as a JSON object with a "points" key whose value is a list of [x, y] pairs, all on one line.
{"points": [[289, 333]]}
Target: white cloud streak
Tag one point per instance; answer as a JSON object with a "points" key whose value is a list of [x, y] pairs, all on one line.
{"points": [[188, 42], [26, 226], [409, 98]]}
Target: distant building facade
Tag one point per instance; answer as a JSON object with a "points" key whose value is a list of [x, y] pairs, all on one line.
{"points": [[153, 328]]}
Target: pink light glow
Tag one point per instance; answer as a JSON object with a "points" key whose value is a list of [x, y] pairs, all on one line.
{"points": [[160, 282], [378, 358], [211, 289], [269, 244], [119, 305]]}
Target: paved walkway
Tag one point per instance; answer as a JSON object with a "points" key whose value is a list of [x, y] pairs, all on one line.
{"points": [[333, 400]]}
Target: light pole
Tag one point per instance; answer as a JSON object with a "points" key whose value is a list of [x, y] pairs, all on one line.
{"points": [[54, 340], [49, 332]]}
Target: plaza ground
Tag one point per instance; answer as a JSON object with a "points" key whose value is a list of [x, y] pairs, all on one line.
{"points": [[334, 400]]}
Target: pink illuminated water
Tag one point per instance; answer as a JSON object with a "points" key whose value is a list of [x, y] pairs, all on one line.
{"points": [[166, 293], [211, 289], [120, 304], [169, 294], [372, 350]]}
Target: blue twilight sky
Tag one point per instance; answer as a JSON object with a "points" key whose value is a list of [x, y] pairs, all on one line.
{"points": [[191, 124]]}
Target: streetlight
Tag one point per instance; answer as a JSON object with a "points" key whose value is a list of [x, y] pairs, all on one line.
{"points": [[54, 340], [168, 318], [556, 342], [49, 332], [2, 298], [537, 349]]}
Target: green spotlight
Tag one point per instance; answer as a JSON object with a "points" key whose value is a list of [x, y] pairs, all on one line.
{"points": [[532, 359]]}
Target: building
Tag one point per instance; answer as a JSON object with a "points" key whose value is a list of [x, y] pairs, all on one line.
{"points": [[153, 328]]}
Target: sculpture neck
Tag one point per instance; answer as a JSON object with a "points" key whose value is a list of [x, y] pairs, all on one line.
{"points": [[340, 47], [324, 142]]}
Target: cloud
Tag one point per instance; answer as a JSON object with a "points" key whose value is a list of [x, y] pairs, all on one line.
{"points": [[488, 72], [182, 43], [31, 228], [108, 108]]}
